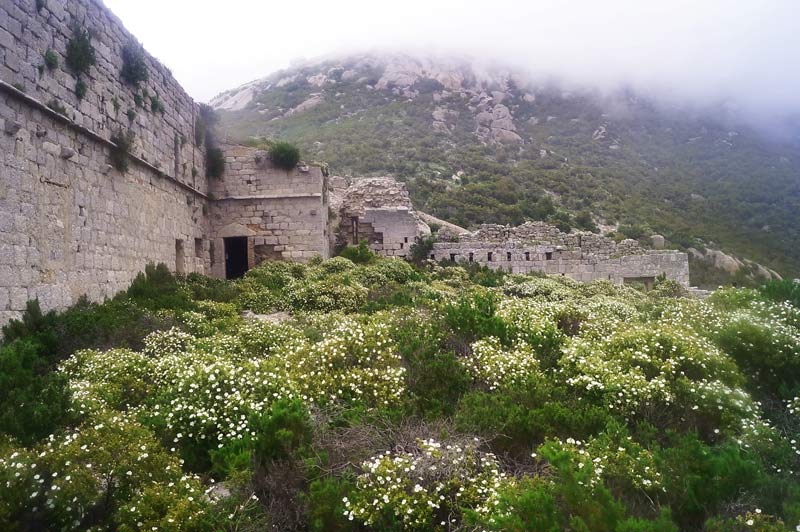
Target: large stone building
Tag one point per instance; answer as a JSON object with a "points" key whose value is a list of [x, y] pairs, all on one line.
{"points": [[72, 223]]}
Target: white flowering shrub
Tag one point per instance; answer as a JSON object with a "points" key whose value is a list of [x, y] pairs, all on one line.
{"points": [[499, 367], [72, 481], [607, 460], [660, 369], [545, 288], [118, 379], [326, 295], [427, 487], [169, 342]]}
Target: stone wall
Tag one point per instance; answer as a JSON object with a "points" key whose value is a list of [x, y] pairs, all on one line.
{"points": [[71, 224], [379, 211], [581, 256], [164, 139], [283, 214]]}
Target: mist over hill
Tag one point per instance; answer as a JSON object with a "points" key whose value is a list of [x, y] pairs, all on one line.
{"points": [[478, 142]]}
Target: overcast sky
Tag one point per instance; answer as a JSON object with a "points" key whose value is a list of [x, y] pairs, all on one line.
{"points": [[744, 51]]}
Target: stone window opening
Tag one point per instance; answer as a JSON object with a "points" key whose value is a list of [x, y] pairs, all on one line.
{"points": [[433, 257], [401, 244], [198, 248], [405, 240], [527, 255], [489, 256], [354, 228], [452, 257], [508, 256], [548, 255], [180, 258], [471, 257]]}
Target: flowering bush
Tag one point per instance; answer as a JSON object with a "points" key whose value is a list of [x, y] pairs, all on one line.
{"points": [[426, 488], [498, 367]]}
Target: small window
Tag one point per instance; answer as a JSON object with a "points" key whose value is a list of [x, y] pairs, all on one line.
{"points": [[401, 245], [452, 257], [180, 262], [489, 256], [198, 248], [527, 255], [508, 256], [548, 255], [405, 240], [471, 257], [433, 257]]}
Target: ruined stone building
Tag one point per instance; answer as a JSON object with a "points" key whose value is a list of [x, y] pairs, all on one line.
{"points": [[73, 223], [583, 256]]}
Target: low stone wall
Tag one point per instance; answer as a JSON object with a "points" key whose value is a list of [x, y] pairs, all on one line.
{"points": [[519, 257], [283, 214]]}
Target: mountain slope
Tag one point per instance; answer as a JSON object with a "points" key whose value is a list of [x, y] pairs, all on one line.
{"points": [[490, 145]]}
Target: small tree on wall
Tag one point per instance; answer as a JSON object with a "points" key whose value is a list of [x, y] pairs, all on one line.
{"points": [[284, 155], [134, 67]]}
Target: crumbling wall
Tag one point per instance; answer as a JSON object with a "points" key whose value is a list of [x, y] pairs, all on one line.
{"points": [[379, 211], [283, 213], [583, 256]]}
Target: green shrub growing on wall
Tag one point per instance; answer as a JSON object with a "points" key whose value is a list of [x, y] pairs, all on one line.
{"points": [[51, 60], [156, 106], [80, 52], [134, 68], [215, 163], [119, 154], [80, 89], [284, 155]]}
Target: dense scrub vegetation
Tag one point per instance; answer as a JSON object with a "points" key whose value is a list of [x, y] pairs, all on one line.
{"points": [[382, 396]]}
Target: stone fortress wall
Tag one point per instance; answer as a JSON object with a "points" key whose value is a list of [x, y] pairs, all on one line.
{"points": [[284, 213], [583, 256], [71, 224]]}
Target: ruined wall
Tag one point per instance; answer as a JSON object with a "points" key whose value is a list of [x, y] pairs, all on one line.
{"points": [[283, 213], [379, 211], [581, 256], [71, 224]]}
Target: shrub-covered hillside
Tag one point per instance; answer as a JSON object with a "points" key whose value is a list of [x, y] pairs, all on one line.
{"points": [[381, 396], [494, 145]]}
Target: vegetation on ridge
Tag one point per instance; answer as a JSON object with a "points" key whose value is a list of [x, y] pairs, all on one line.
{"points": [[391, 397]]}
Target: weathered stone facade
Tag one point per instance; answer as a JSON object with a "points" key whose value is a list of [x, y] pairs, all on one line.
{"points": [[379, 211], [283, 213], [583, 256]]}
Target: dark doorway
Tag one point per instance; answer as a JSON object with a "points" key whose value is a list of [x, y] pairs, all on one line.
{"points": [[235, 256]]}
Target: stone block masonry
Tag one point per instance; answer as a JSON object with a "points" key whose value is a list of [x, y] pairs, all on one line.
{"points": [[283, 214], [583, 256], [71, 224]]}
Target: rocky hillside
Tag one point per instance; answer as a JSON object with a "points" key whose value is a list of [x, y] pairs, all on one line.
{"points": [[487, 144]]}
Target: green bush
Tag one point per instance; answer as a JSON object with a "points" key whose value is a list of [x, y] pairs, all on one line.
{"points": [[326, 509], [134, 65], [360, 254], [215, 163], [284, 155], [80, 52], [51, 60], [80, 89], [783, 290], [473, 316], [34, 401], [120, 153]]}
